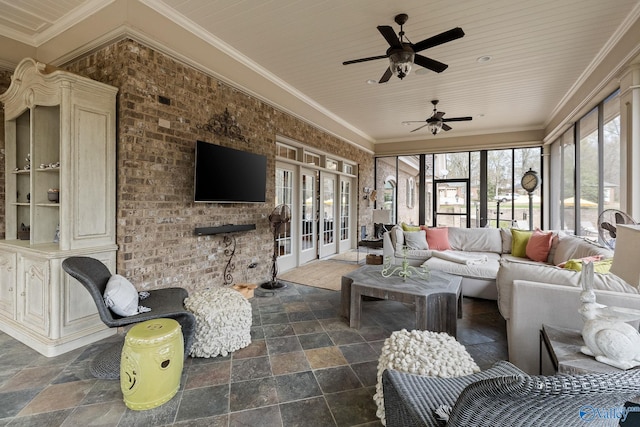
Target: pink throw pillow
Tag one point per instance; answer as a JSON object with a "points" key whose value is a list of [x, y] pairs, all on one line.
{"points": [[438, 238], [539, 245]]}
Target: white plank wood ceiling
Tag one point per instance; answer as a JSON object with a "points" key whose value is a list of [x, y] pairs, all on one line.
{"points": [[539, 49]]}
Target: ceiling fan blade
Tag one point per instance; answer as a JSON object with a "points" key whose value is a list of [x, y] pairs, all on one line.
{"points": [[371, 58], [386, 76], [446, 127], [429, 63], [439, 39], [390, 36], [438, 115], [413, 121], [418, 128], [458, 119]]}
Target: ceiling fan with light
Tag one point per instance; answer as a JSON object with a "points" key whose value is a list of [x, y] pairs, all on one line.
{"points": [[402, 53], [436, 122]]}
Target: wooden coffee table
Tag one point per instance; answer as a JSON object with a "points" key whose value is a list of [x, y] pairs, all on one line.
{"points": [[438, 302]]}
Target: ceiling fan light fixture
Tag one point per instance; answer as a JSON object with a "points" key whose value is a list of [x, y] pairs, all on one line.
{"points": [[400, 63], [435, 127]]}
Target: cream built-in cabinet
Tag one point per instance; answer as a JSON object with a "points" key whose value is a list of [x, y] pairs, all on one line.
{"points": [[59, 140]]}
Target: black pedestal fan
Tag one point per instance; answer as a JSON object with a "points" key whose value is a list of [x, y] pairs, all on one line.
{"points": [[280, 216]]}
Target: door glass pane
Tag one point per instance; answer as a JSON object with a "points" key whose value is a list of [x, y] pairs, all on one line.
{"points": [[345, 208], [308, 212], [327, 209], [451, 207], [284, 195]]}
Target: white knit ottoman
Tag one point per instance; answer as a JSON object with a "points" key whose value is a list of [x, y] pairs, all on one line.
{"points": [[223, 321], [435, 354]]}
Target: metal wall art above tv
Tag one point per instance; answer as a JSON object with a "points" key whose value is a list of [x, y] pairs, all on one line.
{"points": [[227, 175]]}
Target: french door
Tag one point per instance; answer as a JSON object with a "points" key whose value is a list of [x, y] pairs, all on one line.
{"points": [[345, 231], [322, 214], [308, 215], [285, 240], [328, 244]]}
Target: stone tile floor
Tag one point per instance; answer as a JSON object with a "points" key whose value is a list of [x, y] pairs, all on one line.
{"points": [[304, 367]]}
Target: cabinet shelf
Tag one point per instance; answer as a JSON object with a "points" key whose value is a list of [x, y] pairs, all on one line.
{"points": [[227, 228], [59, 121]]}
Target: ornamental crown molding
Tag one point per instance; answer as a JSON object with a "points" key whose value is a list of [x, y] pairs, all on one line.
{"points": [[224, 125]]}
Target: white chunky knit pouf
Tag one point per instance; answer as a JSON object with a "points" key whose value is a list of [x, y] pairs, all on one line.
{"points": [[223, 321], [435, 354]]}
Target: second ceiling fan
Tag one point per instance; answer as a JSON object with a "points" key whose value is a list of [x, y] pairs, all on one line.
{"points": [[436, 122], [402, 53]]}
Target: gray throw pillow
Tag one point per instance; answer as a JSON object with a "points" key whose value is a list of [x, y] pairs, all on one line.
{"points": [[416, 239]]}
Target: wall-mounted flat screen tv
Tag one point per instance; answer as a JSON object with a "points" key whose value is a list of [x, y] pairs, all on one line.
{"points": [[227, 175]]}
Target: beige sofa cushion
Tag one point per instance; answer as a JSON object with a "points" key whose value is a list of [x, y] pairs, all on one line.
{"points": [[544, 273], [572, 247], [475, 239], [485, 270]]}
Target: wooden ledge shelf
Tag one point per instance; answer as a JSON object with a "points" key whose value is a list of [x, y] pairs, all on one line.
{"points": [[227, 228]]}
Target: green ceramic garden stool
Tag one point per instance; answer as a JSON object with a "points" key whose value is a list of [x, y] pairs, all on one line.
{"points": [[151, 363]]}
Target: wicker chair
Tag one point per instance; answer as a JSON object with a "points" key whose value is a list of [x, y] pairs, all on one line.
{"points": [[504, 395], [167, 302]]}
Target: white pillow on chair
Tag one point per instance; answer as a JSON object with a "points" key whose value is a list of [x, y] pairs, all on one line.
{"points": [[121, 296]]}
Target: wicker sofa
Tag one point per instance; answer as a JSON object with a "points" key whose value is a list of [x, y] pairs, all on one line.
{"points": [[503, 395]]}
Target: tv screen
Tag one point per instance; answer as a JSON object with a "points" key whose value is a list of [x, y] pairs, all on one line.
{"points": [[227, 175]]}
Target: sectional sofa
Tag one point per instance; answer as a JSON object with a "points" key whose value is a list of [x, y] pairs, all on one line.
{"points": [[470, 244], [489, 269]]}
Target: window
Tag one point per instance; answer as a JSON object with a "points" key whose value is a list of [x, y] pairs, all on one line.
{"points": [[611, 178], [411, 192], [331, 164], [312, 159], [465, 188], [389, 196], [286, 151], [588, 156]]}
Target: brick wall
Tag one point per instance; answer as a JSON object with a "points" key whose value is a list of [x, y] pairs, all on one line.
{"points": [[156, 215]]}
